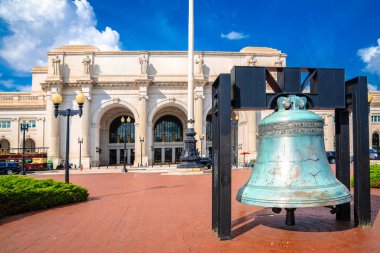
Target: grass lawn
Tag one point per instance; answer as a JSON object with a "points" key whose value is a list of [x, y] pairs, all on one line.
{"points": [[374, 176]]}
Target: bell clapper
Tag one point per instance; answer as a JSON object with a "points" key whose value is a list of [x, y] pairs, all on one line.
{"points": [[290, 219], [276, 210]]}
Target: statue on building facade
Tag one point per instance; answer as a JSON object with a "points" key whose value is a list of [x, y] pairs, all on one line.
{"points": [[279, 62], [86, 65], [199, 62], [56, 66], [144, 64], [252, 60]]}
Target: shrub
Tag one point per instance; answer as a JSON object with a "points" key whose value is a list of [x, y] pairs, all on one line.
{"points": [[374, 176], [20, 194]]}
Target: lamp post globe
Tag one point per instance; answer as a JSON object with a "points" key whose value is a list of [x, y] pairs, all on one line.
{"points": [[80, 98], [56, 98]]}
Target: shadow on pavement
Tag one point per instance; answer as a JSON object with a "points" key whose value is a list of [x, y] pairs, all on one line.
{"points": [[316, 219]]}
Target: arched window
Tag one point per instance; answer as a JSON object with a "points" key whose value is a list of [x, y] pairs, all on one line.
{"points": [[4, 146], [30, 145], [375, 141], [118, 130], [168, 129], [208, 128]]}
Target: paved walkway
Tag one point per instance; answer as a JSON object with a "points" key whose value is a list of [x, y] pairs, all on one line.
{"points": [[149, 212]]}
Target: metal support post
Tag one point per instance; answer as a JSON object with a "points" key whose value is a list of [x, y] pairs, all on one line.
{"points": [[141, 149], [222, 157], [342, 140], [357, 91], [24, 127]]}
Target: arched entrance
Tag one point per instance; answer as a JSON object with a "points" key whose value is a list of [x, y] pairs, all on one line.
{"points": [[375, 141], [4, 146], [168, 140], [112, 135], [30, 145], [122, 130]]}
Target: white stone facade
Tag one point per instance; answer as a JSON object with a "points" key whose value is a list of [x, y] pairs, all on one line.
{"points": [[141, 85]]}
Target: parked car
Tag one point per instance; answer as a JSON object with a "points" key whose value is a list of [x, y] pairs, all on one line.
{"points": [[331, 156], [206, 161], [373, 154], [9, 168]]}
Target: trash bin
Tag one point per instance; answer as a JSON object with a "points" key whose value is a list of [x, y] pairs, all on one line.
{"points": [[49, 166]]}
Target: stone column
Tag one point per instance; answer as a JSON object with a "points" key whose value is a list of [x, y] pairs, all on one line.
{"points": [[143, 124], [55, 127], [251, 124], [330, 132], [85, 125], [198, 124]]}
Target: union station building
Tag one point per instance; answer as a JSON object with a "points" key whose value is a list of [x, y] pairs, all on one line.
{"points": [[148, 90]]}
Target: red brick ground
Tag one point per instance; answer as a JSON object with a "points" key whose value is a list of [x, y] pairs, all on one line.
{"points": [[154, 213]]}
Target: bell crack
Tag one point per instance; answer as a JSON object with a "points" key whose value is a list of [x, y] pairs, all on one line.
{"points": [[315, 176]]}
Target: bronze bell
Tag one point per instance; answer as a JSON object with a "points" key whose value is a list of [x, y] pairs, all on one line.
{"points": [[291, 169]]}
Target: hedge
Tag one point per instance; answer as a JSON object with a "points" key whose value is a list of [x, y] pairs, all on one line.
{"points": [[374, 176], [20, 194]]}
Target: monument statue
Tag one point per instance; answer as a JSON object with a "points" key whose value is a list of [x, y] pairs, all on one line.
{"points": [[86, 65], [279, 61], [199, 62], [144, 64], [252, 60], [56, 66]]}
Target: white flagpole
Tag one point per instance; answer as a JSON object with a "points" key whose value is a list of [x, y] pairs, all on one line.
{"points": [[190, 68]]}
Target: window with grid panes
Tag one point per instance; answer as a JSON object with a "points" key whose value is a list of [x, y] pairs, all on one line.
{"points": [[5, 124]]}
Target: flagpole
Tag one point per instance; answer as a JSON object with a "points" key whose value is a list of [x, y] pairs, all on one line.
{"points": [[190, 68], [190, 157]]}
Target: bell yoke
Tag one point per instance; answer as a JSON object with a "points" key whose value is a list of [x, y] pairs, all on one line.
{"points": [[291, 169]]}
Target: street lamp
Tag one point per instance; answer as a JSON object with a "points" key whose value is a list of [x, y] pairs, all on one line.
{"points": [[141, 146], [57, 100], [80, 142], [201, 138], [24, 127], [125, 141]]}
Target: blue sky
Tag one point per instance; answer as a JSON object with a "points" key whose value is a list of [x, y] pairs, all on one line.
{"points": [[338, 34]]}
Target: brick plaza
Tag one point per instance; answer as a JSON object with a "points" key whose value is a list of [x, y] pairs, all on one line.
{"points": [[150, 212]]}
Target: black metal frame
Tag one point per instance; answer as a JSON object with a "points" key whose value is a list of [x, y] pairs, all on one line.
{"points": [[245, 89]]}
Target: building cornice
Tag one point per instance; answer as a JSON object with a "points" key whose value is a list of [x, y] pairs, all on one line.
{"points": [[88, 49]]}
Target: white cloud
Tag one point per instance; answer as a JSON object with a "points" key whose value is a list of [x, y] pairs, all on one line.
{"points": [[10, 85], [371, 56], [234, 35], [372, 87], [39, 25]]}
